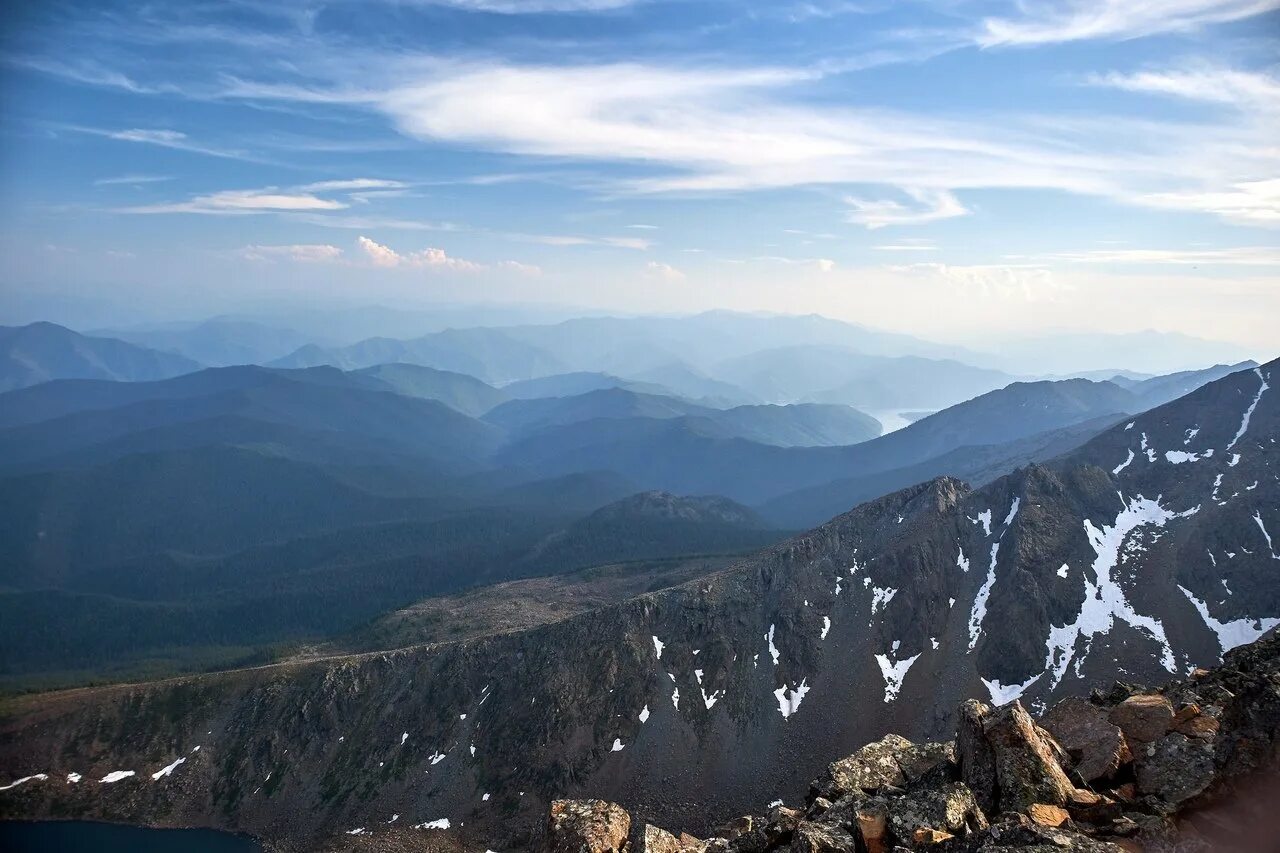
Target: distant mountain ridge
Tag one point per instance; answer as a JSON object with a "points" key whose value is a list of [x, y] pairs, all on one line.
{"points": [[40, 352]]}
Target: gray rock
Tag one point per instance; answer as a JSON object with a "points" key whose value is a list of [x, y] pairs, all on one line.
{"points": [[587, 826], [1143, 717], [974, 755], [822, 838], [1175, 768], [1096, 745], [869, 769], [951, 808], [1026, 770]]}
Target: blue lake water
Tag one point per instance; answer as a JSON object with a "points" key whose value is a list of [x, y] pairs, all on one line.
{"points": [[76, 836]]}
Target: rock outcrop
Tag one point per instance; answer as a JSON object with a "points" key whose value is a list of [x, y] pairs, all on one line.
{"points": [[1127, 770]]}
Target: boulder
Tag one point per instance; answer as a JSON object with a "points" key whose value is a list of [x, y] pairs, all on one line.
{"points": [[1096, 745], [1175, 768], [587, 826], [868, 769], [656, 840], [951, 808], [1047, 815], [929, 837], [1143, 717], [1026, 770], [822, 838], [974, 754], [871, 822]]}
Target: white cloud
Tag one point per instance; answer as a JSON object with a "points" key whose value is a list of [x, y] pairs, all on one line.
{"points": [[241, 202], [906, 247], [1248, 203], [1243, 89], [638, 243], [304, 252], [1054, 21], [131, 179], [930, 206], [1028, 282], [529, 7], [380, 255], [353, 184], [1236, 256], [665, 271], [432, 258], [819, 264]]}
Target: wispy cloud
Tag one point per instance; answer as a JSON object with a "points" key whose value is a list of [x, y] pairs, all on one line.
{"points": [[1055, 21], [232, 202], [1235, 256], [301, 252], [131, 179], [664, 271], [930, 206], [1026, 282], [1201, 82]]}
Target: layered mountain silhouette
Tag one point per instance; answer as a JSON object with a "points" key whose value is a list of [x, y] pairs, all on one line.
{"points": [[40, 352], [1141, 554]]}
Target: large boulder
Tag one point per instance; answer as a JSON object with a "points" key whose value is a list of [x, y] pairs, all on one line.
{"points": [[822, 838], [868, 769], [1026, 770], [1143, 718], [1175, 768], [974, 755], [655, 840], [1096, 745], [587, 826], [950, 809]]}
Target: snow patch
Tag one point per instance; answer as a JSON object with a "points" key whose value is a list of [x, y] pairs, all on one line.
{"points": [[773, 650], [1177, 457], [1248, 413], [36, 777], [1235, 460], [1237, 632], [658, 646], [644, 714], [441, 823], [617, 745], [165, 771], [1062, 572], [933, 641], [116, 776], [962, 561], [1003, 694], [1125, 463], [826, 627], [893, 672], [789, 699], [675, 698], [979, 611], [73, 778], [1104, 600], [1257, 516], [1191, 433], [1013, 510], [881, 596], [984, 518]]}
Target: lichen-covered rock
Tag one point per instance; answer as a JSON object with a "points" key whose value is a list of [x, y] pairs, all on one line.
{"points": [[1143, 717], [871, 825], [587, 826], [1026, 770], [822, 838], [951, 808], [1028, 837], [868, 769], [1175, 768], [656, 840], [976, 759], [1096, 745]]}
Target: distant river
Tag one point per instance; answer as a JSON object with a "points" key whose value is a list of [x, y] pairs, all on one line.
{"points": [[75, 836]]}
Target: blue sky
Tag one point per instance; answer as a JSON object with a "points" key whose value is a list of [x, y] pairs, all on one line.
{"points": [[955, 169]]}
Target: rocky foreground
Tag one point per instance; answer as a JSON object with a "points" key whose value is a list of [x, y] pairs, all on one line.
{"points": [[1194, 766]]}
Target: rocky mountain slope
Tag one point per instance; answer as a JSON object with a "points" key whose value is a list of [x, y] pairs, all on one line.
{"points": [[1190, 767], [1146, 552], [42, 351]]}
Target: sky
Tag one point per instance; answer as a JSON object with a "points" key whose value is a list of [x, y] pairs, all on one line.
{"points": [[956, 169]]}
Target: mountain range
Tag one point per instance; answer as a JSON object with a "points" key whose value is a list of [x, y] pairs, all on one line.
{"points": [[1144, 552]]}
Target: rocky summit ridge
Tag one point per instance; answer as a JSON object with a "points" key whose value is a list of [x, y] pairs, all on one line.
{"points": [[1192, 767]]}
